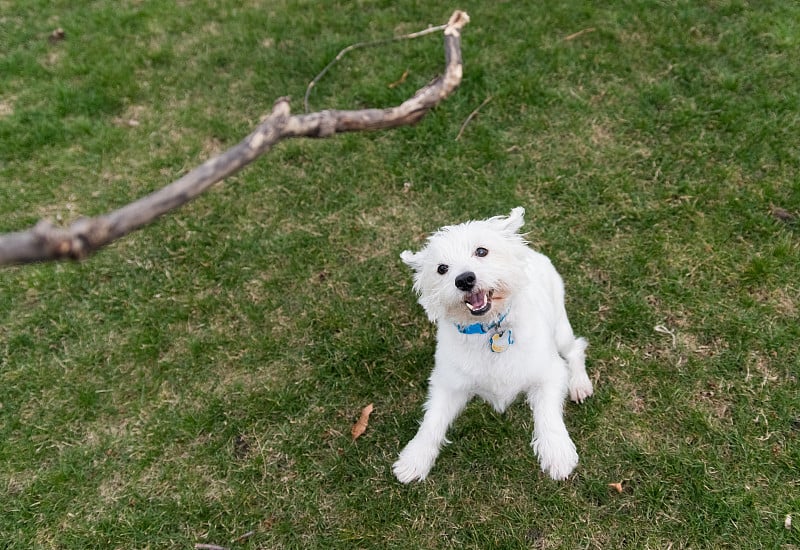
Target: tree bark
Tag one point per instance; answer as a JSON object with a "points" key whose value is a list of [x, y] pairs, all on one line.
{"points": [[46, 242]]}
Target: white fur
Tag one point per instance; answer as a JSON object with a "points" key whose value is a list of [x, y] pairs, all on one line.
{"points": [[544, 363]]}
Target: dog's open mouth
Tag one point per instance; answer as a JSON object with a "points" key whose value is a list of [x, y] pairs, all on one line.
{"points": [[479, 302]]}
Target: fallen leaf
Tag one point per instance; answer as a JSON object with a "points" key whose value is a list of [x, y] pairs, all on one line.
{"points": [[361, 424], [402, 79], [781, 214], [57, 35], [616, 486], [240, 446]]}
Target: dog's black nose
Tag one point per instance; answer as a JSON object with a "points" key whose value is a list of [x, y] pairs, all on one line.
{"points": [[465, 281]]}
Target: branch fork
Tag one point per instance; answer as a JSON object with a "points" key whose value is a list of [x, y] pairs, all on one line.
{"points": [[47, 242]]}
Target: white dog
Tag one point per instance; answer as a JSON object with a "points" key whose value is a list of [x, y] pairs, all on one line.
{"points": [[502, 330]]}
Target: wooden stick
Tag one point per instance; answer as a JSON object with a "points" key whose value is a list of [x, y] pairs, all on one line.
{"points": [[45, 241]]}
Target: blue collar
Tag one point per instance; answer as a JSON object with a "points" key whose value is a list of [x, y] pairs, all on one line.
{"points": [[480, 328], [499, 340]]}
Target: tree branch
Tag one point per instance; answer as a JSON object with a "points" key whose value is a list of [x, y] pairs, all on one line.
{"points": [[46, 242]]}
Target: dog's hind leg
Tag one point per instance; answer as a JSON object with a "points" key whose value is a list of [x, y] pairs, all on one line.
{"points": [[580, 387], [441, 409], [573, 350]]}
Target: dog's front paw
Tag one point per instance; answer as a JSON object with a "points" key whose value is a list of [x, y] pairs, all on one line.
{"points": [[580, 387], [557, 456], [414, 462]]}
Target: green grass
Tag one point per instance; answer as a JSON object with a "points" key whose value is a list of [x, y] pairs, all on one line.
{"points": [[197, 380]]}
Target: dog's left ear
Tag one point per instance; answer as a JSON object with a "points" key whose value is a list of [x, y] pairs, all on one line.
{"points": [[512, 222]]}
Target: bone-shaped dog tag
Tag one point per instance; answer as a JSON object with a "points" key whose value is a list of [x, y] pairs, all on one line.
{"points": [[501, 341]]}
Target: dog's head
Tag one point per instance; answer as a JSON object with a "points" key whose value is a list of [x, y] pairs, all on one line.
{"points": [[467, 272]]}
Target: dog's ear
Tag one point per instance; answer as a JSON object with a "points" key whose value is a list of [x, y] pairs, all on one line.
{"points": [[512, 222], [411, 259]]}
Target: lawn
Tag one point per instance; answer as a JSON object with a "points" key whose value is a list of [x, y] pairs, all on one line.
{"points": [[196, 381]]}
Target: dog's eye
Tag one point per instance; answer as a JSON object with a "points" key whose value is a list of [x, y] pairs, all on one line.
{"points": [[480, 252], [442, 269]]}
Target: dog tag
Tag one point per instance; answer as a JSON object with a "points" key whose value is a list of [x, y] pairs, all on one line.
{"points": [[501, 341]]}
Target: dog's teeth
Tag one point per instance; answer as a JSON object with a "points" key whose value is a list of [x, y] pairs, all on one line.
{"points": [[473, 304]]}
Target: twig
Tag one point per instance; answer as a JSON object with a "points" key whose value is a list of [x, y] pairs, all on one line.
{"points": [[472, 115], [575, 35], [201, 546], [352, 47], [244, 537], [83, 237], [402, 79]]}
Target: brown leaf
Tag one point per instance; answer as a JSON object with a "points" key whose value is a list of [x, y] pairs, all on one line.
{"points": [[616, 486], [240, 446], [361, 424], [57, 35], [781, 214]]}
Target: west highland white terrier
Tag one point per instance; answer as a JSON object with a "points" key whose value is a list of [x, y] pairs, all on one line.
{"points": [[502, 331]]}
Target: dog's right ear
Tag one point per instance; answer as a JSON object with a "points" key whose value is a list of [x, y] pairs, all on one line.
{"points": [[411, 259]]}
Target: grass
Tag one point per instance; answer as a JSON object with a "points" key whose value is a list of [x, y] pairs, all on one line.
{"points": [[197, 380]]}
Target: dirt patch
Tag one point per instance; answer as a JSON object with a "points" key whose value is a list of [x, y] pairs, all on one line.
{"points": [[6, 107]]}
